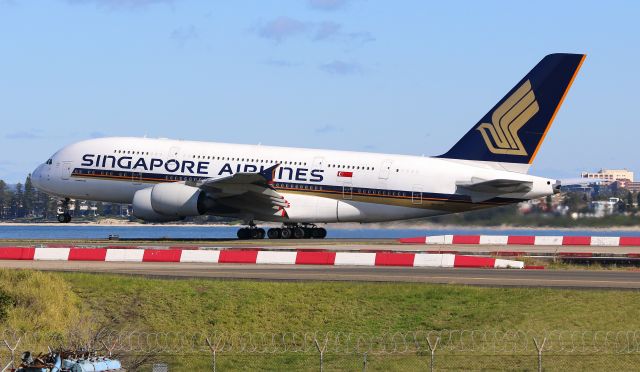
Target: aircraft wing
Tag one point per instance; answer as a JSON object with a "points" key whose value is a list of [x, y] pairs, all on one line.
{"points": [[480, 190], [246, 191]]}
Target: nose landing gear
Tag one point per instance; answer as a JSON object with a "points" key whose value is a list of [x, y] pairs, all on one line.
{"points": [[63, 211]]}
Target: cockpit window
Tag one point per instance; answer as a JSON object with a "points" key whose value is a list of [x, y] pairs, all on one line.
{"points": [[50, 161]]}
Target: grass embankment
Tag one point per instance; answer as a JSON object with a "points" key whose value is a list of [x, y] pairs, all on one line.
{"points": [[250, 306], [37, 301], [54, 302]]}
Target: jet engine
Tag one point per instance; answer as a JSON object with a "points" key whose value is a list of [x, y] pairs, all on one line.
{"points": [[143, 210], [170, 202], [178, 200]]}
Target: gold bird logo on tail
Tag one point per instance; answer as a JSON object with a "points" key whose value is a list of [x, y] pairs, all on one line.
{"points": [[501, 136]]}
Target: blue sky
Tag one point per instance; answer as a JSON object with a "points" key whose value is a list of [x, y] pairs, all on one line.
{"points": [[406, 77]]}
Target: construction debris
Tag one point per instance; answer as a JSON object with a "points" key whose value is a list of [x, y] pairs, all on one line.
{"points": [[66, 361]]}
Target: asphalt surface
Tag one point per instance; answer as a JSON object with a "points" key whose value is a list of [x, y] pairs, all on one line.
{"points": [[604, 279]]}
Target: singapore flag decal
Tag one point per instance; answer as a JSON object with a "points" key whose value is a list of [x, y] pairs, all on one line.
{"points": [[345, 174]]}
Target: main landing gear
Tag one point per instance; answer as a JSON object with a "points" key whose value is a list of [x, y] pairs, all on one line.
{"points": [[63, 211], [287, 231], [251, 232], [297, 231]]}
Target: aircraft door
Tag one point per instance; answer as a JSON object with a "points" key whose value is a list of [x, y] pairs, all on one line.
{"points": [[385, 168], [174, 153], [416, 194], [65, 169], [318, 162]]}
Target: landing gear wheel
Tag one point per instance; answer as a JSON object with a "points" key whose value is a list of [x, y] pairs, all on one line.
{"points": [[63, 211], [64, 218], [246, 233], [308, 232], [298, 233], [257, 233], [319, 233], [274, 233], [286, 233], [243, 234]]}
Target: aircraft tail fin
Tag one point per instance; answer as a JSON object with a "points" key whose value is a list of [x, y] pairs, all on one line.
{"points": [[513, 130]]}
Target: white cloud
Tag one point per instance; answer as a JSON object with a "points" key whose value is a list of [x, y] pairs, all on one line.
{"points": [[327, 4], [282, 28], [182, 35], [341, 68], [121, 4]]}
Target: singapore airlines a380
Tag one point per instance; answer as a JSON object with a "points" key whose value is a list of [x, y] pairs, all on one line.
{"points": [[168, 180]]}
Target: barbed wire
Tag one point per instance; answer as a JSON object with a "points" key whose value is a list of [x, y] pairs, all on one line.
{"points": [[411, 342]]}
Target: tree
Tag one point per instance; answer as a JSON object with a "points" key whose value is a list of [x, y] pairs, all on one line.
{"points": [[100, 210], [549, 203], [573, 201], [49, 205], [17, 202], [629, 200], [29, 200], [3, 199], [9, 208], [622, 207]]}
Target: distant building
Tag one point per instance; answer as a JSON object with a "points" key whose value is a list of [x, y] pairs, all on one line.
{"points": [[628, 185], [609, 175], [603, 208]]}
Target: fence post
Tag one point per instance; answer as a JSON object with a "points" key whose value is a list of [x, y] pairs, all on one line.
{"points": [[214, 351], [539, 347], [364, 363], [432, 348], [321, 351], [109, 349]]}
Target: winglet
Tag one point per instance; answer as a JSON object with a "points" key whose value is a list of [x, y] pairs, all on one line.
{"points": [[269, 173]]}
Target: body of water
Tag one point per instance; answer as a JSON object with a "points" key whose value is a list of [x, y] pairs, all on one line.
{"points": [[221, 232]]}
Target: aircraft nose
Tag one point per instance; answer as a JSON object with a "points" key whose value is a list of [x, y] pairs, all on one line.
{"points": [[36, 176]]}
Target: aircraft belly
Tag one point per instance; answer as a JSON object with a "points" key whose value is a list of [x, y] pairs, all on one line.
{"points": [[307, 208], [102, 190], [354, 211]]}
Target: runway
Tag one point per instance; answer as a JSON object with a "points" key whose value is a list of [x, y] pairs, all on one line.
{"points": [[603, 279]]}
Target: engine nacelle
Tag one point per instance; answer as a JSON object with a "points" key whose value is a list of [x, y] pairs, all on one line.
{"points": [[143, 210], [178, 200]]}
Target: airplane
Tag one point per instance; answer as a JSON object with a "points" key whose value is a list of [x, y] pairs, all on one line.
{"points": [[168, 180]]}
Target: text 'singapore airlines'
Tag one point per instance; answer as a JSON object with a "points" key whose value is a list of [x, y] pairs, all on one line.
{"points": [[174, 166]]}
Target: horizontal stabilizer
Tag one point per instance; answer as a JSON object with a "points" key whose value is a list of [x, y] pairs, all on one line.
{"points": [[481, 190]]}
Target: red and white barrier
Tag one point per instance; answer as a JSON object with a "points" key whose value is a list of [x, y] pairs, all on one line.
{"points": [[593, 241], [256, 256]]}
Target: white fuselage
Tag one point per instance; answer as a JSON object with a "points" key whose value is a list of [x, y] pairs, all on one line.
{"points": [[319, 185]]}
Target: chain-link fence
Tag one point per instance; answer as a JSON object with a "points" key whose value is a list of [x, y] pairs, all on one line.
{"points": [[329, 351]]}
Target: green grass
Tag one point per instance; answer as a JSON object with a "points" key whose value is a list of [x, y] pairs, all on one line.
{"points": [[40, 301], [194, 305], [250, 306]]}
